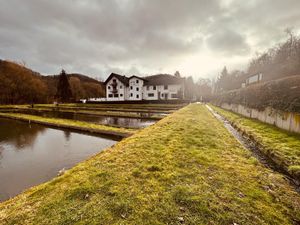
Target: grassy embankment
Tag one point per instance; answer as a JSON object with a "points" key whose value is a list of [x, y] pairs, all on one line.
{"points": [[280, 146], [72, 124], [116, 108], [136, 106], [185, 169]]}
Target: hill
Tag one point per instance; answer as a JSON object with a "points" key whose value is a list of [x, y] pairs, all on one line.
{"points": [[19, 85]]}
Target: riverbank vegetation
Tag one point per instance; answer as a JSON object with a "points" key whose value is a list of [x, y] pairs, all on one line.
{"points": [[21, 85], [71, 124], [186, 168], [281, 146]]}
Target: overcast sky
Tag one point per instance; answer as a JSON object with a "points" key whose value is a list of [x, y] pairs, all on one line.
{"points": [[96, 37]]}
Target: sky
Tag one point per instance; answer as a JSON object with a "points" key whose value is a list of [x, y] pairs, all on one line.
{"points": [[142, 37]]}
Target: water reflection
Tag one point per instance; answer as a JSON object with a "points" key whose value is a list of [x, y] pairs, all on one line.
{"points": [[106, 120], [32, 154], [12, 132]]}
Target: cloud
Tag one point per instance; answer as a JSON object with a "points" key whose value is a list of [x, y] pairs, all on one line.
{"points": [[228, 42], [97, 37]]}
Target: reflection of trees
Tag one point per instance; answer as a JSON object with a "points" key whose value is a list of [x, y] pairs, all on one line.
{"points": [[1, 150], [18, 133], [67, 135]]}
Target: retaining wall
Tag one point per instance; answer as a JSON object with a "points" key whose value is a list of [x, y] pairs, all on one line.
{"points": [[286, 120]]}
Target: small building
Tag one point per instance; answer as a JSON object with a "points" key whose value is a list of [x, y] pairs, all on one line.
{"points": [[256, 78], [135, 88]]}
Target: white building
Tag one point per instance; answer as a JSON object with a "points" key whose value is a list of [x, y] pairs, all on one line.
{"points": [[156, 87], [256, 78]]}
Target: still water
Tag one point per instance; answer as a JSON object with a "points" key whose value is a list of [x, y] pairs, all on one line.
{"points": [[105, 120], [33, 154]]}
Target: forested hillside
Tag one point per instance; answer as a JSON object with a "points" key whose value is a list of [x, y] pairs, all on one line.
{"points": [[280, 61], [19, 85]]}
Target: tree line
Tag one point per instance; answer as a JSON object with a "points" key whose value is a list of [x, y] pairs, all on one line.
{"points": [[20, 85], [280, 61]]}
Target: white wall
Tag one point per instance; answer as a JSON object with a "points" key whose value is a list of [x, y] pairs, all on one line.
{"points": [[121, 90], [134, 84], [172, 89], [286, 120], [150, 90]]}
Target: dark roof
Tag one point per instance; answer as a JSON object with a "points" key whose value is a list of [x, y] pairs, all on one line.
{"points": [[161, 79], [122, 78], [142, 78]]}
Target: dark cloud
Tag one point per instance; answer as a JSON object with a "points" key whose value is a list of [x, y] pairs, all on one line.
{"points": [[139, 36]]}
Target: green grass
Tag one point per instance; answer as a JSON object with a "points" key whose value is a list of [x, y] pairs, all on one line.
{"points": [[280, 145], [186, 166], [80, 125]]}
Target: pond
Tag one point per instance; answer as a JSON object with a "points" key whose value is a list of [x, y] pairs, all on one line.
{"points": [[31, 154], [105, 120]]}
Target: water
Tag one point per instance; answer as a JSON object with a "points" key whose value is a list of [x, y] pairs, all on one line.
{"points": [[105, 120], [33, 154]]}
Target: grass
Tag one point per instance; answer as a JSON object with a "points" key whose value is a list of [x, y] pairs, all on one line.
{"points": [[280, 145], [115, 108], [184, 169], [74, 124], [107, 105]]}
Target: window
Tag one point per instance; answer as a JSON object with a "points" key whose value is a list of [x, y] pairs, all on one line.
{"points": [[137, 81], [131, 87], [154, 87], [121, 86], [108, 87], [174, 96], [137, 96], [114, 80], [110, 95], [166, 87], [121, 95], [137, 89], [131, 94], [150, 94], [162, 95], [147, 88], [116, 95]]}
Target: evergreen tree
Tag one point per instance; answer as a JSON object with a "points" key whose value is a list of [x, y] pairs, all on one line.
{"points": [[64, 93], [177, 74]]}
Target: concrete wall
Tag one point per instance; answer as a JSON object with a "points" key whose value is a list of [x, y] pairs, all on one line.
{"points": [[286, 120]]}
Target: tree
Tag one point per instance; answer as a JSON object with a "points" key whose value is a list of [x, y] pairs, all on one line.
{"points": [[189, 88], [64, 93], [177, 74], [77, 89]]}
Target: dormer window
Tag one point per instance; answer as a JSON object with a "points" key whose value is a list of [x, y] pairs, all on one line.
{"points": [[137, 81], [114, 80]]}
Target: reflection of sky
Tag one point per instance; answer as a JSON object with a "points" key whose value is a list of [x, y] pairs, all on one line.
{"points": [[39, 159], [106, 120]]}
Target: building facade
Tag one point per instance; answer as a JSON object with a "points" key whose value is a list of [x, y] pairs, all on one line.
{"points": [[134, 88]]}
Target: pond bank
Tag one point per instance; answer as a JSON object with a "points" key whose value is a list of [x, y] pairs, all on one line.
{"points": [[71, 124], [185, 168]]}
